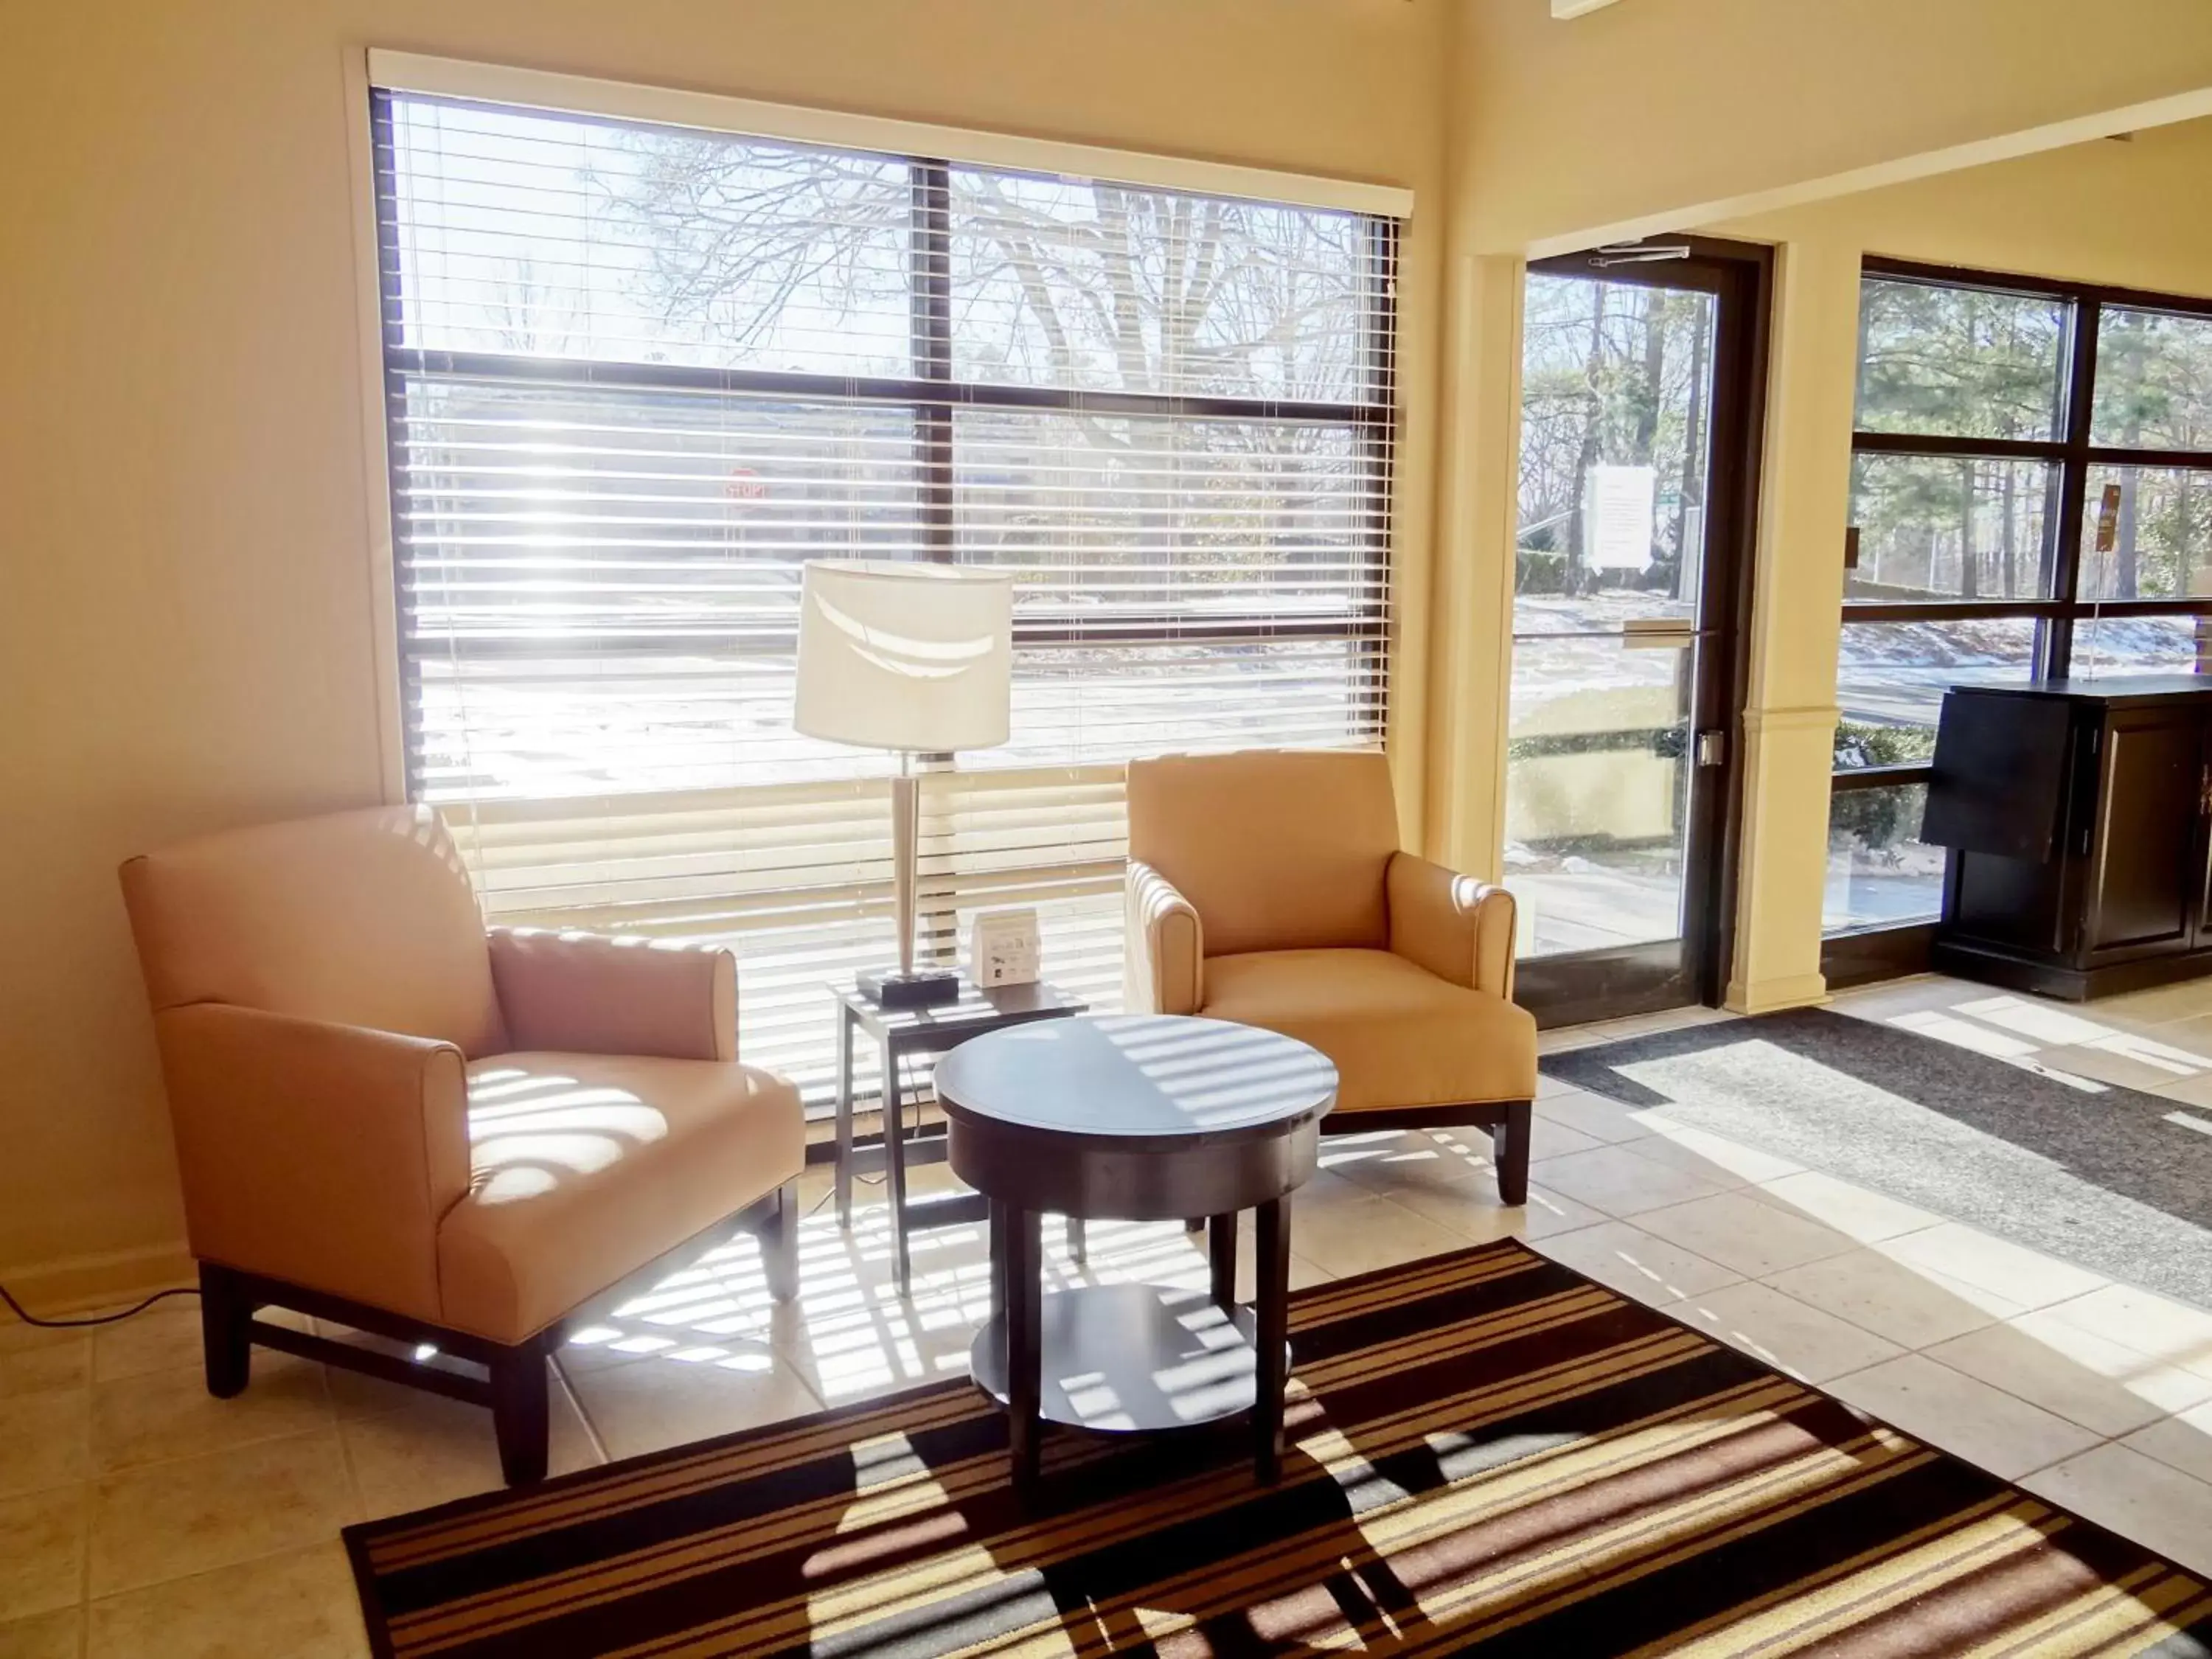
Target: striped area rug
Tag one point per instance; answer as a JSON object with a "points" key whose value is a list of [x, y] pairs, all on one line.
{"points": [[1488, 1451]]}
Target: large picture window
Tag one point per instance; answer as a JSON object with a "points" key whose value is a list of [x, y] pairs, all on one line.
{"points": [[2031, 496], [637, 374]]}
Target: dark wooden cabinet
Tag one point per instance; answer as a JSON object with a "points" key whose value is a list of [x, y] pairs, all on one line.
{"points": [[2077, 815]]}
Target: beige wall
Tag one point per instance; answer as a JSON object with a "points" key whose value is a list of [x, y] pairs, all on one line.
{"points": [[1653, 113], [186, 625]]}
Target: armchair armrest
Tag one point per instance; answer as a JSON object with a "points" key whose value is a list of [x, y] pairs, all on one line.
{"points": [[322, 1154], [587, 993], [1458, 928], [1166, 969]]}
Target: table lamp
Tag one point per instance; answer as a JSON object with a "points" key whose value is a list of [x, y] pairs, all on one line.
{"points": [[914, 657]]}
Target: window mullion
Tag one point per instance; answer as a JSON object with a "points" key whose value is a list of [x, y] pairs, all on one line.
{"points": [[932, 310], [2056, 645]]}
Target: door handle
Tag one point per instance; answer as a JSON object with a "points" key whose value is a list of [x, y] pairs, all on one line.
{"points": [[1657, 634]]}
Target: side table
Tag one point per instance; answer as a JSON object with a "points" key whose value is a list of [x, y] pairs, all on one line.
{"points": [[1139, 1117], [898, 1033]]}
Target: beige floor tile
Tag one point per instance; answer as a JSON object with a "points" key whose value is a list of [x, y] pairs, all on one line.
{"points": [[1635, 1263], [1477, 1216], [1963, 1415], [42, 1551], [655, 1403], [1711, 1157], [1912, 995], [1744, 1232], [1387, 1163], [1868, 1217], [1782, 1332], [2027, 1277], [1591, 1114], [2138, 1497], [162, 1338], [197, 1514], [2153, 1325], [2132, 1059], [46, 1440], [300, 1605], [2159, 1005], [166, 1337], [1552, 1137], [2184, 1441], [152, 1415], [432, 1450], [1372, 1232], [47, 1636], [1448, 1178], [1619, 1180], [2081, 1378], [1912, 1307], [55, 1360]]}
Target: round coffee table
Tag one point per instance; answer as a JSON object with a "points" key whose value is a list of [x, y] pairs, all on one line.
{"points": [[1135, 1118]]}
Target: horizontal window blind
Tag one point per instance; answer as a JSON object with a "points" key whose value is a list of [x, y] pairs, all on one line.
{"points": [[636, 376]]}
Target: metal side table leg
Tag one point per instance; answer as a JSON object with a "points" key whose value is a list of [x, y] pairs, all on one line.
{"points": [[894, 1098], [844, 1179]]}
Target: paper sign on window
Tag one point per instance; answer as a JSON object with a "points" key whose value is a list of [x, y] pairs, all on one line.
{"points": [[2108, 519], [1617, 517]]}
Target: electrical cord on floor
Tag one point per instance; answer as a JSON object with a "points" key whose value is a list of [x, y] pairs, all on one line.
{"points": [[30, 1318]]}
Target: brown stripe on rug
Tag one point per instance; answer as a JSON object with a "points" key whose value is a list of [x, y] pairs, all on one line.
{"points": [[1488, 1451]]}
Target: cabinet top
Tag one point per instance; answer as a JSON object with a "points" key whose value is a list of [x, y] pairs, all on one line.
{"points": [[2122, 688]]}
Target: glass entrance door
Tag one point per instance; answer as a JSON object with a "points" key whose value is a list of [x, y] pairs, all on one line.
{"points": [[1636, 494]]}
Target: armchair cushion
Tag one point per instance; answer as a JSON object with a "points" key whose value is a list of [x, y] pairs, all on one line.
{"points": [[586, 1167], [584, 992], [1401, 1036], [321, 1154]]}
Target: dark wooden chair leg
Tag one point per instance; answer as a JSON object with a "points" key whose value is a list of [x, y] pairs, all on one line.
{"points": [[1078, 1241], [519, 1414], [779, 1242], [226, 1331], [1508, 1142]]}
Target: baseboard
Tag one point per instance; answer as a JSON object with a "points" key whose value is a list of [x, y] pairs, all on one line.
{"points": [[77, 1283], [1769, 996]]}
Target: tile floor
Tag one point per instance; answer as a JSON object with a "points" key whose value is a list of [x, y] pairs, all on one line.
{"points": [[138, 1516]]}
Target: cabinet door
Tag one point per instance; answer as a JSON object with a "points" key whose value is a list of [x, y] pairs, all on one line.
{"points": [[2201, 858], [2145, 864]]}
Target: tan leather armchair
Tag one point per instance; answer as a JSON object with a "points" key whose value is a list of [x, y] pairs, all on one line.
{"points": [[387, 1117], [1269, 888]]}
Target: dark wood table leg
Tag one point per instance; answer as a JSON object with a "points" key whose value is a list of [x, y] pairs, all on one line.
{"points": [[1024, 1345], [1272, 1240], [998, 1258], [844, 1117], [1078, 1241], [1221, 1259], [895, 1168]]}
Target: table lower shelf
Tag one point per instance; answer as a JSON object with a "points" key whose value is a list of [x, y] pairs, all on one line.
{"points": [[1131, 1358]]}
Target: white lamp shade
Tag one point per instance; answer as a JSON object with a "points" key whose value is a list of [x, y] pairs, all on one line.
{"points": [[914, 656]]}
